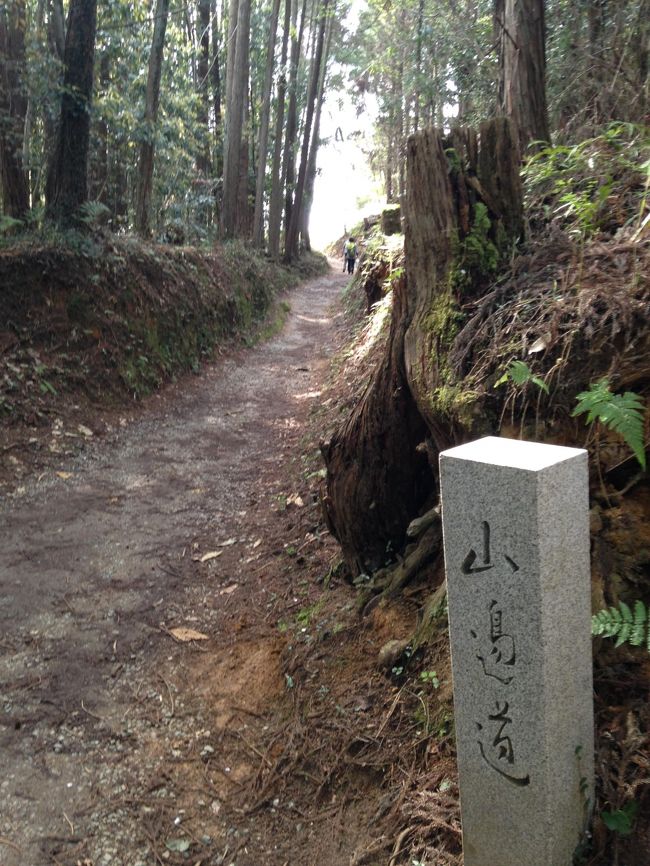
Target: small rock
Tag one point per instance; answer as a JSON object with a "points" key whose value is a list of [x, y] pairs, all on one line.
{"points": [[390, 653]]}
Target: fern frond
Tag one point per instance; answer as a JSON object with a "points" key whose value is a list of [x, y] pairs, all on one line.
{"points": [[625, 624], [621, 413], [520, 373], [638, 626]]}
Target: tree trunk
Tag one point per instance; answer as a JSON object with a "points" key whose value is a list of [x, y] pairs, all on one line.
{"points": [[33, 175], [13, 108], [67, 182], [377, 480], [215, 77], [382, 463], [401, 162], [237, 90], [291, 243], [244, 210], [522, 67], [147, 145], [289, 159], [56, 45], [99, 173], [203, 162], [275, 203], [258, 219], [642, 55], [233, 11], [314, 146]]}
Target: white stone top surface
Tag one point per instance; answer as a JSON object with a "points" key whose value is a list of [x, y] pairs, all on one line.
{"points": [[515, 453]]}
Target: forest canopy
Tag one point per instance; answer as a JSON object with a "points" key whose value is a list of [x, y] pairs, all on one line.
{"points": [[188, 120]]}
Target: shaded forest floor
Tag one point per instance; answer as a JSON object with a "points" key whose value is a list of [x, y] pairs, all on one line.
{"points": [[185, 676]]}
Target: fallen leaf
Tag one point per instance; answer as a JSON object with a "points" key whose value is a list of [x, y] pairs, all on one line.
{"points": [[229, 589], [184, 635], [257, 543], [295, 499], [538, 346], [85, 431], [228, 542], [64, 475], [180, 845], [212, 554]]}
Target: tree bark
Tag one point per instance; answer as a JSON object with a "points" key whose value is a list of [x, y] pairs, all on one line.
{"points": [[203, 161], [56, 45], [258, 219], [291, 243], [314, 146], [147, 145], [382, 463], [377, 480], [67, 182], [522, 65], [99, 173], [13, 108], [238, 93], [289, 159], [215, 77], [275, 203]]}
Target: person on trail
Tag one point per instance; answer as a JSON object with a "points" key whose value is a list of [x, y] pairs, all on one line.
{"points": [[349, 255]]}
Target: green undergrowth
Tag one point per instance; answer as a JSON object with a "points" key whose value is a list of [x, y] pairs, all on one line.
{"points": [[118, 318], [599, 185]]}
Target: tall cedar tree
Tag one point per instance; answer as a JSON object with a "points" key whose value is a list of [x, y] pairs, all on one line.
{"points": [[215, 78], [289, 157], [291, 243], [203, 162], [13, 107], [522, 66], [67, 181], [152, 99], [315, 143], [236, 97], [258, 219], [275, 203]]}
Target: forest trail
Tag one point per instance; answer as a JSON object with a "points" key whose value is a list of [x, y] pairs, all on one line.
{"points": [[108, 719]]}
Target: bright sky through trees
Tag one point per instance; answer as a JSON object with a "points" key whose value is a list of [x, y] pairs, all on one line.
{"points": [[345, 189]]}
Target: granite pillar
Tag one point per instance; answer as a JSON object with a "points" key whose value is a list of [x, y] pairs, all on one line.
{"points": [[516, 541]]}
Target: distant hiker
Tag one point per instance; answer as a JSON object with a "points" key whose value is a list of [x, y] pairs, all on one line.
{"points": [[349, 255]]}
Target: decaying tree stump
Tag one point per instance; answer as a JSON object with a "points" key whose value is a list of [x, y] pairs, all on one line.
{"points": [[391, 220], [376, 479], [463, 201]]}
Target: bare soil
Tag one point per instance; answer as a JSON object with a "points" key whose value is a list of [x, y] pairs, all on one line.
{"points": [[123, 741]]}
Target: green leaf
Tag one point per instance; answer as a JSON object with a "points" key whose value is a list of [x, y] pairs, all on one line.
{"points": [[626, 624], [622, 820], [623, 634], [621, 413], [519, 373], [638, 627], [46, 387]]}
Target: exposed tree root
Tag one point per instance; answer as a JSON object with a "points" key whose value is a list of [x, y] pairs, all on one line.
{"points": [[387, 582]]}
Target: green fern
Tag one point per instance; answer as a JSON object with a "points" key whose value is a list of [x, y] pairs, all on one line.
{"points": [[8, 224], [520, 373], [625, 624], [622, 413]]}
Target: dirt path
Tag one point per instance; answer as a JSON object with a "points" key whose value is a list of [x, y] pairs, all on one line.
{"points": [[112, 731]]}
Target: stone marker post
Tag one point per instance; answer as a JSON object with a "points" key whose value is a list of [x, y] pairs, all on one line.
{"points": [[516, 540]]}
